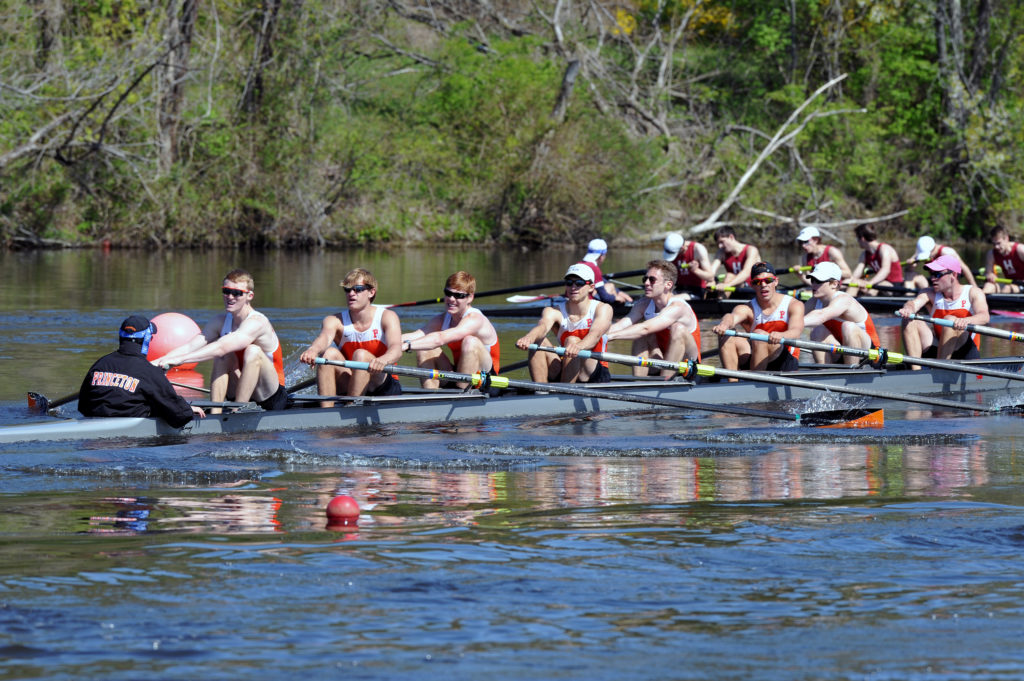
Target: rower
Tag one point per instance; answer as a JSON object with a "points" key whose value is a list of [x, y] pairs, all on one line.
{"points": [[774, 313], [737, 257], [816, 252], [123, 383], [662, 325], [605, 291], [463, 329], [964, 304], [1008, 256], [580, 323], [241, 341], [880, 258], [363, 332], [837, 317], [691, 258], [928, 250]]}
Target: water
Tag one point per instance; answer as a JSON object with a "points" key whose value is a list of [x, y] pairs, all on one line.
{"points": [[644, 545]]}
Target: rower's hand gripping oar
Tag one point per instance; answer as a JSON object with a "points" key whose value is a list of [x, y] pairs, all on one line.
{"points": [[485, 381], [881, 356], [973, 328]]}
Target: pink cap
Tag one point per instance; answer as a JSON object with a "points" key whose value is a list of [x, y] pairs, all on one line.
{"points": [[944, 262]]}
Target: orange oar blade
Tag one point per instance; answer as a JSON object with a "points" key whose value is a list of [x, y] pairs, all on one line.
{"points": [[870, 419]]}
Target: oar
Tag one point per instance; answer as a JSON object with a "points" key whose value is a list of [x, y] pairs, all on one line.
{"points": [[688, 369], [886, 356], [484, 381], [518, 289], [973, 328], [38, 404], [896, 289]]}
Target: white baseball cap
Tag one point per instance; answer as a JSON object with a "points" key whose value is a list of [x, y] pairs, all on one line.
{"points": [[673, 244], [924, 248], [824, 271], [807, 233], [595, 249], [582, 271]]}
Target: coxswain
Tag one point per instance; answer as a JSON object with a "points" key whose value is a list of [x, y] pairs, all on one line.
{"points": [[776, 314], [662, 325], [928, 250], [948, 298], [579, 323], [463, 329], [124, 383], [817, 252], [1006, 255], [691, 259], [363, 332], [247, 360], [837, 317], [880, 259], [605, 291], [737, 257]]}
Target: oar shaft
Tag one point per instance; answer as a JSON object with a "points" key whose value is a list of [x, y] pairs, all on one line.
{"points": [[478, 380], [973, 328], [707, 370], [891, 357]]}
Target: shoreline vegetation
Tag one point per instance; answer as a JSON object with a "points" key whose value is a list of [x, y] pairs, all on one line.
{"points": [[129, 124]]}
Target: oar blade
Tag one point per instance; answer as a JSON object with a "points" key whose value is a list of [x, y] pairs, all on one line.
{"points": [[845, 418], [37, 403]]}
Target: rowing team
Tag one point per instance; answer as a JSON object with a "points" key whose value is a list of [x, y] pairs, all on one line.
{"points": [[879, 265], [248, 361]]}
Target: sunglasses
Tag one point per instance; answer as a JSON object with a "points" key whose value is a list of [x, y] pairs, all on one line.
{"points": [[765, 280], [234, 292], [575, 283], [457, 295], [938, 275], [358, 288], [653, 280]]}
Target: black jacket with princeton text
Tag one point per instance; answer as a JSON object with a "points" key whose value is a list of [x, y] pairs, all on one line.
{"points": [[124, 383]]}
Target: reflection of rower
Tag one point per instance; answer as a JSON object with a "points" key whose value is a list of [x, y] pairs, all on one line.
{"points": [[837, 316]]}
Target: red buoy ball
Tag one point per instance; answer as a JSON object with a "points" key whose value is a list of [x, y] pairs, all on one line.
{"points": [[173, 330], [343, 509]]}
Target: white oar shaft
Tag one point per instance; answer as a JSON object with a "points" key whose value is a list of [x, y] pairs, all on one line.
{"points": [[874, 354], [973, 328], [707, 370]]}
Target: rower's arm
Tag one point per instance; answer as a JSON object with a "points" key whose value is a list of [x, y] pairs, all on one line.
{"points": [[328, 332], [740, 278], [836, 256], [914, 305], [602, 323], [884, 266], [547, 321], [979, 303], [837, 308]]}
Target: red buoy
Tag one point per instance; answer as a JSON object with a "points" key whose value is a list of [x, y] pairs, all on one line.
{"points": [[173, 330], [342, 510]]}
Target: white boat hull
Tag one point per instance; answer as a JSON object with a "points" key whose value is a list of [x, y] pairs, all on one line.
{"points": [[448, 407]]}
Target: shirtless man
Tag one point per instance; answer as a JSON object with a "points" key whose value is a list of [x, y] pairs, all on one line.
{"points": [[928, 250], [1009, 257], [661, 325], [364, 332], [462, 328], [691, 257], [837, 317], [816, 252], [579, 323], [880, 258], [737, 257], [964, 304], [776, 314], [246, 353]]}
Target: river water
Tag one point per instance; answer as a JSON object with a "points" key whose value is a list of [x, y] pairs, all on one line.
{"points": [[641, 545]]}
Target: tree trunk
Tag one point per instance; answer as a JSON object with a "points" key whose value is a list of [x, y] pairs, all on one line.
{"points": [[181, 20], [263, 52]]}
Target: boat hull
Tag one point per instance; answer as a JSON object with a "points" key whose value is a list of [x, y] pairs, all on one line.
{"points": [[449, 407]]}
